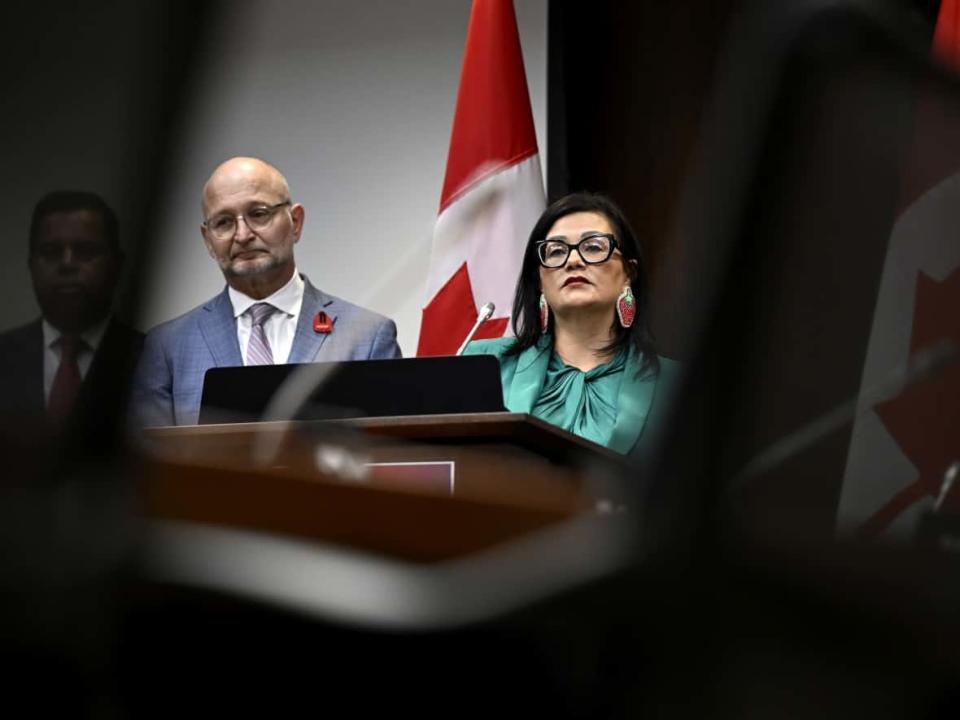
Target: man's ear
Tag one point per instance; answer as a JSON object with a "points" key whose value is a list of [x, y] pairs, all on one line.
{"points": [[297, 213]]}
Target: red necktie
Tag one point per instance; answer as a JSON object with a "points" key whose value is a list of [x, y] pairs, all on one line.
{"points": [[66, 383]]}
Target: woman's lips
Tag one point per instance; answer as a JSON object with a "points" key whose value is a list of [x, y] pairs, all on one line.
{"points": [[576, 280]]}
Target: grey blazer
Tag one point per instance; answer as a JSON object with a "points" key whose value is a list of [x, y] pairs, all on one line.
{"points": [[176, 354]]}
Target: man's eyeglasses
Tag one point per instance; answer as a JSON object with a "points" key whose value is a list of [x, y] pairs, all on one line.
{"points": [[259, 217], [594, 248]]}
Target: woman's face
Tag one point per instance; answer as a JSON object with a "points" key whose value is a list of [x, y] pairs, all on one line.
{"points": [[578, 287]]}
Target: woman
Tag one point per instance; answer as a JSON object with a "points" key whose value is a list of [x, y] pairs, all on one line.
{"points": [[583, 358]]}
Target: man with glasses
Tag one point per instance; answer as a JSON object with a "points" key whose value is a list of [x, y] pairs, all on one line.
{"points": [[73, 364], [267, 314]]}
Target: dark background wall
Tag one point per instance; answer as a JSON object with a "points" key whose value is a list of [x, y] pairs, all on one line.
{"points": [[91, 94]]}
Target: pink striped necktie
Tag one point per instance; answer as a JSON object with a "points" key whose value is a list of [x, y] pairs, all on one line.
{"points": [[258, 349]]}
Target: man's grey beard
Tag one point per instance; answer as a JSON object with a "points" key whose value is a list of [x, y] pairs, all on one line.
{"points": [[251, 267]]}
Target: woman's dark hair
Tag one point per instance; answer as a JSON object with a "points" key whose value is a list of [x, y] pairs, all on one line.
{"points": [[526, 316]]}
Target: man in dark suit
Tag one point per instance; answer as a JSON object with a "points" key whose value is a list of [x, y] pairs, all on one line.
{"points": [[268, 313], [76, 359]]}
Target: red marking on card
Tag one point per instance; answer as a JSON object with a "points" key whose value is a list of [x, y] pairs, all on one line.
{"points": [[322, 323], [418, 476]]}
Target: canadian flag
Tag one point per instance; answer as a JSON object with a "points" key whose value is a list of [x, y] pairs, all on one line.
{"points": [[901, 447], [492, 191]]}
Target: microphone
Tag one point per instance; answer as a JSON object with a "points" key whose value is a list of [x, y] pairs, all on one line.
{"points": [[485, 312]]}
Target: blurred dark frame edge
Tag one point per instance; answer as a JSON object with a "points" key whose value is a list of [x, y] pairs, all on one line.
{"points": [[689, 499]]}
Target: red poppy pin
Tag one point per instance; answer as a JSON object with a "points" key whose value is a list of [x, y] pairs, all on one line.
{"points": [[322, 323]]}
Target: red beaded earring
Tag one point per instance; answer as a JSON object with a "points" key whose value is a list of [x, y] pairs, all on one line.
{"points": [[626, 307]]}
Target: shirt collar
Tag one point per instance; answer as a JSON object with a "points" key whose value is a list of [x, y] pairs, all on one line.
{"points": [[92, 336], [288, 298]]}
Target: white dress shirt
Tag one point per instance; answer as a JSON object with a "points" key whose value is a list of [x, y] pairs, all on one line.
{"points": [[51, 352], [279, 327]]}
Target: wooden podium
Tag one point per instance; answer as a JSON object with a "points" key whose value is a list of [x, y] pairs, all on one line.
{"points": [[424, 488]]}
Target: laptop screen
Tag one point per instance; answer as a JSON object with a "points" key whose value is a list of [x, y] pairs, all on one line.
{"points": [[360, 388]]}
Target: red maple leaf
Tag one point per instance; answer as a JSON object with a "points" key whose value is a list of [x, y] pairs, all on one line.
{"points": [[925, 418], [450, 315]]}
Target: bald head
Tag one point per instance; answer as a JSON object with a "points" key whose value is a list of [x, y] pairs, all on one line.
{"points": [[250, 225], [243, 175]]}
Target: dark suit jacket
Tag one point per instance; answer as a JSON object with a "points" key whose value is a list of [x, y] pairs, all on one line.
{"points": [[102, 395]]}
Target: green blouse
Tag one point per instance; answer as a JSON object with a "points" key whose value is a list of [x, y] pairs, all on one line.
{"points": [[584, 403], [612, 404]]}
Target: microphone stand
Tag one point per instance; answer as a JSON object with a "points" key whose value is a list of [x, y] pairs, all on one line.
{"points": [[485, 312]]}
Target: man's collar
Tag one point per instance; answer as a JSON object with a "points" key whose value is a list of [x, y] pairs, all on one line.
{"points": [[92, 336], [288, 298]]}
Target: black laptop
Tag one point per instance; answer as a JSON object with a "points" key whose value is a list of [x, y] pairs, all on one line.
{"points": [[360, 388]]}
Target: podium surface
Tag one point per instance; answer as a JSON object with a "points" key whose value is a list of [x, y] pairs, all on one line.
{"points": [[425, 488]]}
